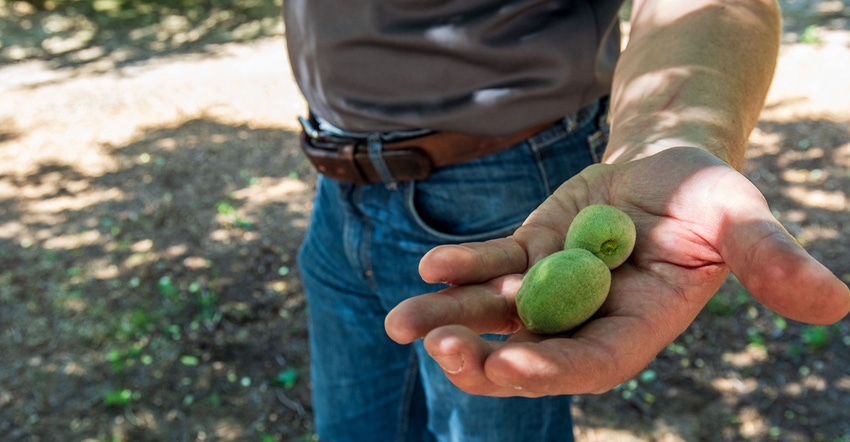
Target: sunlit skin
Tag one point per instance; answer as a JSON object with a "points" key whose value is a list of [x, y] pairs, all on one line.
{"points": [[690, 235], [680, 122]]}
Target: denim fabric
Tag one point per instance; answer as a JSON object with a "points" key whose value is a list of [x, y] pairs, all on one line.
{"points": [[359, 259]]}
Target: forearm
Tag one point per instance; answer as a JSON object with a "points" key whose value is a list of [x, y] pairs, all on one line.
{"points": [[695, 73]]}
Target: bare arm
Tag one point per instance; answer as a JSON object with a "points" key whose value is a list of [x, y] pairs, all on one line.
{"points": [[694, 73], [687, 92]]}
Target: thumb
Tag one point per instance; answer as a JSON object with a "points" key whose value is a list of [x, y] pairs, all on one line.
{"points": [[779, 273]]}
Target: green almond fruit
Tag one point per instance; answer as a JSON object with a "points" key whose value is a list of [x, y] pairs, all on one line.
{"points": [[562, 291], [605, 231]]}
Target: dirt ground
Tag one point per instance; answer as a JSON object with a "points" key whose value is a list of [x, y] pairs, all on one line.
{"points": [[150, 212]]}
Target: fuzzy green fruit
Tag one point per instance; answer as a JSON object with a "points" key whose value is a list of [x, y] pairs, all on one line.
{"points": [[605, 231], [562, 291]]}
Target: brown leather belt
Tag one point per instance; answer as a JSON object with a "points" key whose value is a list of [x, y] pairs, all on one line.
{"points": [[347, 159]]}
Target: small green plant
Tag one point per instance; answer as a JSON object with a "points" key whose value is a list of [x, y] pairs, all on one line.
{"points": [[810, 36], [231, 214], [779, 323], [116, 358], [122, 357], [286, 378], [677, 349], [189, 360], [636, 389], [207, 301], [756, 339], [225, 208], [815, 336], [118, 398], [167, 289], [727, 303]]}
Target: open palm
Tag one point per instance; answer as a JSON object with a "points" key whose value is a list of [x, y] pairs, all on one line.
{"points": [[696, 219]]}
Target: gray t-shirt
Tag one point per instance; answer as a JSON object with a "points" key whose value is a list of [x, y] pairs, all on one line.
{"points": [[486, 67]]}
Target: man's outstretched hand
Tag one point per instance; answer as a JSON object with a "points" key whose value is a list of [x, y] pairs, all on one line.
{"points": [[696, 218]]}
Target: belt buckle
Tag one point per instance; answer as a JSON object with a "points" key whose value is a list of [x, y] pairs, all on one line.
{"points": [[335, 162], [351, 162]]}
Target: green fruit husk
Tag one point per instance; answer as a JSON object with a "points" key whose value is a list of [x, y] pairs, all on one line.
{"points": [[562, 291], [605, 231]]}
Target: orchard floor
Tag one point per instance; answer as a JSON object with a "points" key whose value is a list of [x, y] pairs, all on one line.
{"points": [[150, 212]]}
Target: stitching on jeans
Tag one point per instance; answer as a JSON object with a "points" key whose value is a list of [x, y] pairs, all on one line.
{"points": [[357, 233], [407, 395], [541, 168], [569, 125], [547, 137]]}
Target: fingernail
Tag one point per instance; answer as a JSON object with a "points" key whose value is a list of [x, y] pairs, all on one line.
{"points": [[451, 364]]}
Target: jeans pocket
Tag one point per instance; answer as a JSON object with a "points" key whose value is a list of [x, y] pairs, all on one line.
{"points": [[491, 196], [478, 200]]}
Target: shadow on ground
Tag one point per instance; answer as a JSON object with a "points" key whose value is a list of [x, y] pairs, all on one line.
{"points": [[74, 34], [159, 301], [798, 15], [804, 172]]}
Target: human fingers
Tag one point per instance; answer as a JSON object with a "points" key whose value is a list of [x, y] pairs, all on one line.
{"points": [[778, 272], [725, 210], [473, 263], [462, 353], [639, 320], [484, 308]]}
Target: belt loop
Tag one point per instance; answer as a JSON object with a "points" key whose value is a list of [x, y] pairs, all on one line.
{"points": [[571, 122], [376, 155]]}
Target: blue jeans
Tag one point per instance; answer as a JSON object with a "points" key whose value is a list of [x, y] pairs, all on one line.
{"points": [[359, 259]]}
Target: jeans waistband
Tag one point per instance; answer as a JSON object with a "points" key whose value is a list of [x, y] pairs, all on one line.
{"points": [[370, 157]]}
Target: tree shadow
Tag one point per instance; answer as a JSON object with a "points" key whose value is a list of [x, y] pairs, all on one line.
{"points": [[8, 131], [172, 278], [161, 297], [78, 34], [829, 14], [803, 169], [804, 20]]}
